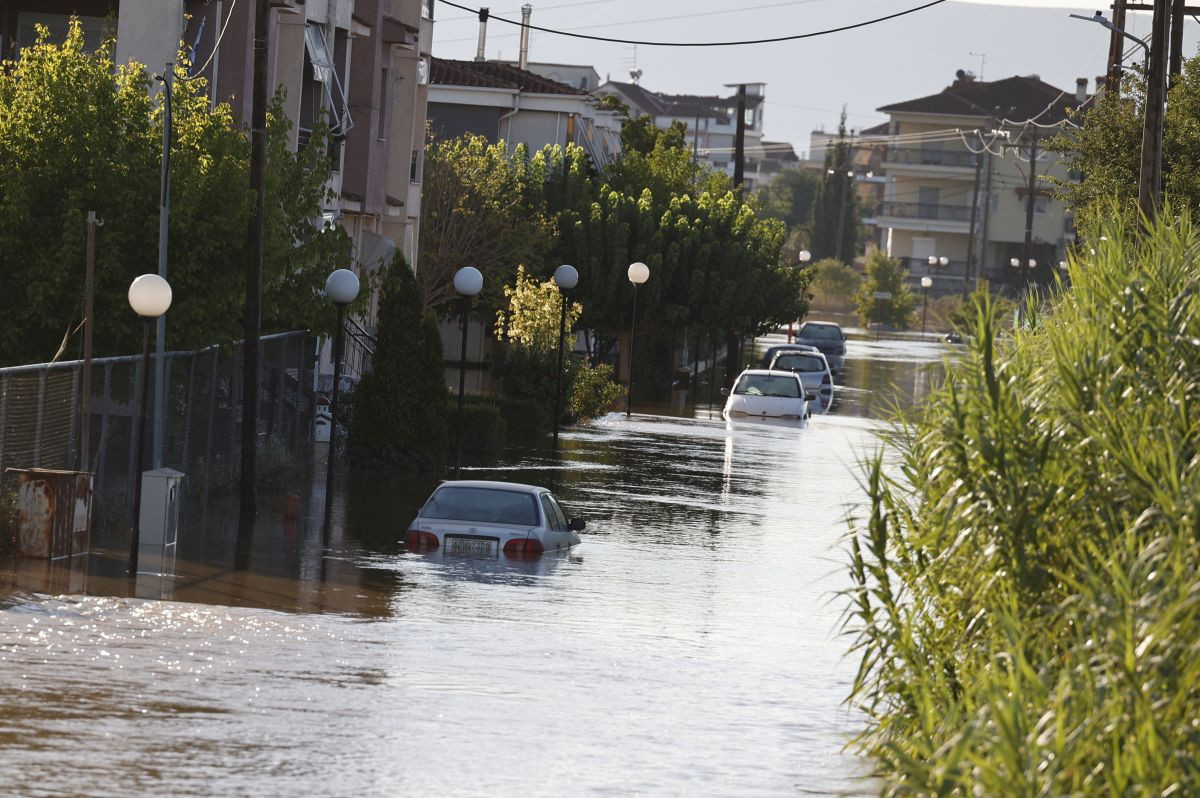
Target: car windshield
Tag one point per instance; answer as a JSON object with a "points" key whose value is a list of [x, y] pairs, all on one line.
{"points": [[821, 332], [482, 505], [805, 363], [768, 385]]}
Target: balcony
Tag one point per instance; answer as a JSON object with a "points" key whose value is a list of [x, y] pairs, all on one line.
{"points": [[920, 156], [924, 210]]}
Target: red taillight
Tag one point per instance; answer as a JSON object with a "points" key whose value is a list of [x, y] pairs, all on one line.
{"points": [[416, 539], [523, 546], [826, 380]]}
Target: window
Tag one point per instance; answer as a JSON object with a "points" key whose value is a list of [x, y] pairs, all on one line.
{"points": [[1041, 205], [554, 520], [414, 169], [482, 505], [768, 385]]}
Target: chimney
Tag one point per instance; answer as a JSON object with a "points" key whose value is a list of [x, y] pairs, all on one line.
{"points": [[1080, 89], [526, 10], [483, 18]]}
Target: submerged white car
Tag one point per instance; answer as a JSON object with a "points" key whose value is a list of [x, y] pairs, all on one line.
{"points": [[767, 394], [814, 371], [477, 518]]}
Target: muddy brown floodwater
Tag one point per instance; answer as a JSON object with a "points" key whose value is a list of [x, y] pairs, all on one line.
{"points": [[690, 645]]}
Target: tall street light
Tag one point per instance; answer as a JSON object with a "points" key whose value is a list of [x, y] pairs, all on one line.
{"points": [[468, 281], [1030, 265], [926, 281], [638, 273], [566, 277], [803, 257], [149, 296], [341, 287]]}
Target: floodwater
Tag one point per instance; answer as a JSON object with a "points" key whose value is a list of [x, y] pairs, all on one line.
{"points": [[690, 645]]}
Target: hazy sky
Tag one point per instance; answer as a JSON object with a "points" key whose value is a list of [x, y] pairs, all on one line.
{"points": [[808, 81]]}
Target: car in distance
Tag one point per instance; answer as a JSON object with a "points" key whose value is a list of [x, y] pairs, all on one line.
{"points": [[766, 394], [815, 374], [479, 518], [772, 351], [826, 336]]}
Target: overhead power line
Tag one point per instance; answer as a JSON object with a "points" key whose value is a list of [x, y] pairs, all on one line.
{"points": [[793, 37]]}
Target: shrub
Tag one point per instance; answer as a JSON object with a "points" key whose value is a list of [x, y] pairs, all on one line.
{"points": [[399, 409], [1026, 596], [593, 391], [834, 285], [484, 430]]}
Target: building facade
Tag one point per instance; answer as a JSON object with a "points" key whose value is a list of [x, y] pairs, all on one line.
{"points": [[957, 167]]}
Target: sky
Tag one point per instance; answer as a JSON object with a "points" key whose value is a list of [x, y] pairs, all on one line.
{"points": [[808, 81]]}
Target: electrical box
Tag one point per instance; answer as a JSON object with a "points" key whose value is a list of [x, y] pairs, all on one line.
{"points": [[158, 525]]}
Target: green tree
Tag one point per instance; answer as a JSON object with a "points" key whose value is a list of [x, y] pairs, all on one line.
{"points": [[834, 284], [399, 410], [836, 203], [789, 197], [480, 207], [1106, 150], [885, 276], [78, 133]]}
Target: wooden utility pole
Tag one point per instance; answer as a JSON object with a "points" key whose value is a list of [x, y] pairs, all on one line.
{"points": [[1112, 74], [1178, 8], [841, 225], [739, 142], [89, 280], [254, 260], [1150, 172]]}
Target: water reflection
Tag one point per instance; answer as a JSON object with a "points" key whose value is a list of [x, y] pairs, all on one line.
{"points": [[692, 640]]}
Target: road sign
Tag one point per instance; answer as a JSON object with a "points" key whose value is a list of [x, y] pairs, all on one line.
{"points": [[882, 294]]}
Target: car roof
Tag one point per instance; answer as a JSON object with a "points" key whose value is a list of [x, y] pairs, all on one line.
{"points": [[812, 351], [493, 485], [822, 324], [768, 373]]}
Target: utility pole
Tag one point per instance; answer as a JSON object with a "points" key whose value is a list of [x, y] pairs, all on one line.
{"points": [[1027, 250], [1112, 74], [841, 226], [981, 263], [1150, 172], [88, 294], [733, 343], [1178, 9], [974, 214], [254, 261], [739, 142]]}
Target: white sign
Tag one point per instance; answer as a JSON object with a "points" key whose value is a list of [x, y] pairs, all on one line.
{"points": [[882, 294]]}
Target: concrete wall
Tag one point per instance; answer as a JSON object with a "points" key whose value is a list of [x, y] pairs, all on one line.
{"points": [[149, 31]]}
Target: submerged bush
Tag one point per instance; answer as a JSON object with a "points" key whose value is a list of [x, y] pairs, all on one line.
{"points": [[1027, 587]]}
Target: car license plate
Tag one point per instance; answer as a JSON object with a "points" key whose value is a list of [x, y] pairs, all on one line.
{"points": [[472, 547]]}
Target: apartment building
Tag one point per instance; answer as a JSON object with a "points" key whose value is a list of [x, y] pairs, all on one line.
{"points": [[937, 149], [500, 101], [359, 65]]}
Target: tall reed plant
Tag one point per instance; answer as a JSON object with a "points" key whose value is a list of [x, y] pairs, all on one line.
{"points": [[1026, 584]]}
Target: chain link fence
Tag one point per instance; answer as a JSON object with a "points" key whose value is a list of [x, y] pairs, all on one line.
{"points": [[41, 421]]}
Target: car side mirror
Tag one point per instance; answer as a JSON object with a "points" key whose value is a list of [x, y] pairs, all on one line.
{"points": [[810, 397], [576, 524], [724, 392]]}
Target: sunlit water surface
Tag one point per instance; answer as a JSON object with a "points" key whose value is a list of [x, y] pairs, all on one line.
{"points": [[691, 645]]}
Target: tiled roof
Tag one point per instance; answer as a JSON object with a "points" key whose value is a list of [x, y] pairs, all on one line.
{"points": [[1016, 98], [495, 75]]}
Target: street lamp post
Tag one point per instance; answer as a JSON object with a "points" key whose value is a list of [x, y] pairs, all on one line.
{"points": [[804, 257], [468, 281], [926, 281], [341, 287], [638, 273], [150, 297], [1023, 270], [566, 277]]}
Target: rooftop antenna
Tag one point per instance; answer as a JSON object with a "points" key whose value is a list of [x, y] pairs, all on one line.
{"points": [[982, 61], [635, 74]]}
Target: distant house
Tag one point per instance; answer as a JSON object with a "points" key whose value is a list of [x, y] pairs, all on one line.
{"points": [[933, 148], [502, 102], [712, 127]]}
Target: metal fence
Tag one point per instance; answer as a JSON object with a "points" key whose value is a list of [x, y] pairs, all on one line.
{"points": [[41, 413]]}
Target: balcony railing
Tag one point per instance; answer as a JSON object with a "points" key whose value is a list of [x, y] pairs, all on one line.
{"points": [[930, 157], [924, 210]]}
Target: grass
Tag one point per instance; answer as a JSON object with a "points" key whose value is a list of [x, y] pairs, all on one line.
{"points": [[1027, 621]]}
